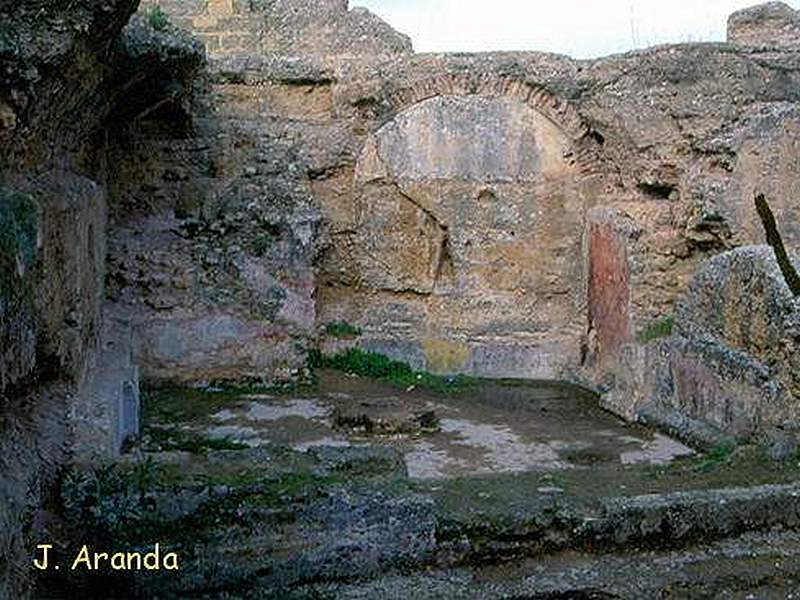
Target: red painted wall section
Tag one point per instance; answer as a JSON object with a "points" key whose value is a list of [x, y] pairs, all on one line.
{"points": [[609, 290]]}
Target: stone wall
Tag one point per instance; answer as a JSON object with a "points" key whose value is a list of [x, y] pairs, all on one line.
{"points": [[68, 386], [535, 239], [224, 26], [731, 366], [324, 28], [214, 237]]}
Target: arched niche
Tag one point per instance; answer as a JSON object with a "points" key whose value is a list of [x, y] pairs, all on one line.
{"points": [[468, 245]]}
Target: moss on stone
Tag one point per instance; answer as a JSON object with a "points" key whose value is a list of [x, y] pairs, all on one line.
{"points": [[158, 19], [174, 439], [656, 330], [170, 405], [342, 330], [18, 235], [262, 244]]}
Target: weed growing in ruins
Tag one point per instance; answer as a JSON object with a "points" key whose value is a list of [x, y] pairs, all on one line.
{"points": [[399, 374], [341, 329], [158, 19], [657, 330], [717, 456], [107, 499]]}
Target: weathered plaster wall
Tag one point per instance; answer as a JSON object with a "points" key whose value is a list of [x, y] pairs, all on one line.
{"points": [[470, 207]]}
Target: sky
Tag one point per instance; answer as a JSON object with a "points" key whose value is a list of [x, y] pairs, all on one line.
{"points": [[578, 28]]}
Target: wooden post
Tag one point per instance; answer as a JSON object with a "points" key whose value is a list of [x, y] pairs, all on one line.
{"points": [[774, 239]]}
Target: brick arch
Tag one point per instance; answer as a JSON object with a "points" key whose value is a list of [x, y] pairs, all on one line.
{"points": [[557, 110]]}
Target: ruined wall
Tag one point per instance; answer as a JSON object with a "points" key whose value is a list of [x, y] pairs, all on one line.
{"points": [[730, 368], [662, 150], [210, 258], [325, 28], [539, 237], [66, 374], [216, 231]]}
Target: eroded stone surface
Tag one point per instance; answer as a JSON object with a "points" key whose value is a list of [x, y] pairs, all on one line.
{"points": [[738, 364], [769, 24], [731, 366]]}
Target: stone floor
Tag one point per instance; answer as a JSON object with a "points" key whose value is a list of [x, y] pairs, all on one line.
{"points": [[355, 489], [494, 428]]}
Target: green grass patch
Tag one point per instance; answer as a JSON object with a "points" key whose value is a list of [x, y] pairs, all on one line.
{"points": [[341, 329], [167, 405], [169, 440], [158, 19], [718, 456], [399, 374], [659, 329]]}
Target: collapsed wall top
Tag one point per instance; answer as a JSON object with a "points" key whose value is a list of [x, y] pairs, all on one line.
{"points": [[325, 28], [773, 24]]}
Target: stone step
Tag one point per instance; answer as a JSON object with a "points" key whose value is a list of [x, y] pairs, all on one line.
{"points": [[762, 565], [656, 521]]}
